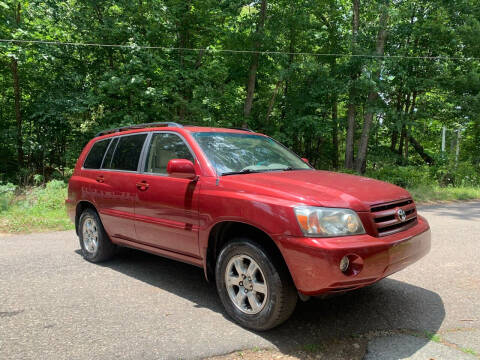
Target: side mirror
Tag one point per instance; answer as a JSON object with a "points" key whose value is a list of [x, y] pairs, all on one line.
{"points": [[182, 168], [305, 160]]}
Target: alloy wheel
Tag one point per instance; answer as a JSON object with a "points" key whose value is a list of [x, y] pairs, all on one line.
{"points": [[246, 284], [90, 235]]}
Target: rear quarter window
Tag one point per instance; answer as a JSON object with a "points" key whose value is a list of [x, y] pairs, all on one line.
{"points": [[107, 160], [95, 156]]}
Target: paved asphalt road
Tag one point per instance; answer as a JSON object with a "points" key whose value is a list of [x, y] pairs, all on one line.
{"points": [[55, 305]]}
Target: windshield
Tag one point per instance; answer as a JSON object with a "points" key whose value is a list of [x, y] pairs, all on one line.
{"points": [[232, 153]]}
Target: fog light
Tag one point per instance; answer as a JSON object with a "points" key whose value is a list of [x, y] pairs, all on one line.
{"points": [[344, 264]]}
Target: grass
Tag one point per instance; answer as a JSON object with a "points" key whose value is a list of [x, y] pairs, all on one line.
{"points": [[469, 351], [438, 339], [43, 209], [437, 193], [34, 209], [433, 337]]}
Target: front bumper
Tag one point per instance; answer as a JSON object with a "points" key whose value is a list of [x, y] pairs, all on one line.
{"points": [[314, 262]]}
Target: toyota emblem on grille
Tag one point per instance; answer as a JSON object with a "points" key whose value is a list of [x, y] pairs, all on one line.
{"points": [[401, 215]]}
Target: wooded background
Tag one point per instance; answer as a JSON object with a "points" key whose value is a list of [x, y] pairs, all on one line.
{"points": [[355, 85]]}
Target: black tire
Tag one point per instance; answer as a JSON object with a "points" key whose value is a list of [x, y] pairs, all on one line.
{"points": [[281, 297], [105, 249]]}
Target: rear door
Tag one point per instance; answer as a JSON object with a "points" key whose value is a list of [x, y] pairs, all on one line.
{"points": [[117, 190], [166, 208]]}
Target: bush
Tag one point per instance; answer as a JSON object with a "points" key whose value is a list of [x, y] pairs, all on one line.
{"points": [[464, 174], [52, 196], [444, 175], [63, 175], [436, 193], [7, 193], [404, 176], [38, 179], [38, 208]]}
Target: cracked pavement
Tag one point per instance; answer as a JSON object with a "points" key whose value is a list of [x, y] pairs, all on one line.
{"points": [[55, 305]]}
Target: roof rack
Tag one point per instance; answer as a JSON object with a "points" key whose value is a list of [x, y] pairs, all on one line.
{"points": [[243, 129], [138, 126]]}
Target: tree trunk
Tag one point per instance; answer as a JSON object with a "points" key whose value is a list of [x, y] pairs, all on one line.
{"points": [[18, 112], [406, 144], [183, 41], [367, 123], [419, 149], [272, 102], [476, 137], [393, 144], [457, 149], [409, 126], [291, 50], [444, 133], [349, 145], [373, 95], [17, 96], [252, 74], [453, 142], [350, 132], [335, 133], [403, 134]]}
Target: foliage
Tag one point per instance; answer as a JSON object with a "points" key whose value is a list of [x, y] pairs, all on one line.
{"points": [[462, 174], [404, 176], [51, 197], [7, 193], [66, 94], [433, 193], [35, 209]]}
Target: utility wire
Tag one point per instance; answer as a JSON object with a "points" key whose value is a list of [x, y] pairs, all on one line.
{"points": [[265, 52]]}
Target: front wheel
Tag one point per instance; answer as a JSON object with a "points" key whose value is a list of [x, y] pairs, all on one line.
{"points": [[254, 287]]}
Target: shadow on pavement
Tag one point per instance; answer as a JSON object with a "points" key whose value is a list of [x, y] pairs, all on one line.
{"points": [[389, 305], [462, 211]]}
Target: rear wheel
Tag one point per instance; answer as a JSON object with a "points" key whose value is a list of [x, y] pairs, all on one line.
{"points": [[254, 287], [94, 241]]}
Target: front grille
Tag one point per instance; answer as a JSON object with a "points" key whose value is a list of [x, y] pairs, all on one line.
{"points": [[386, 220]]}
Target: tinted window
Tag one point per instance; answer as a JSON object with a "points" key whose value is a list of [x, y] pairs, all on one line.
{"points": [[163, 148], [128, 152], [95, 156], [109, 155]]}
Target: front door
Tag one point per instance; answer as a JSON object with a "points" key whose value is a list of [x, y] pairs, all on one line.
{"points": [[166, 209]]}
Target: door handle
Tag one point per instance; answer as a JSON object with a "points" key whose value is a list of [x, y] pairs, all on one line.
{"points": [[142, 186], [100, 179]]}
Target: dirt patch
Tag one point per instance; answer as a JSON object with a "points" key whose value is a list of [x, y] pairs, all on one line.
{"points": [[344, 349]]}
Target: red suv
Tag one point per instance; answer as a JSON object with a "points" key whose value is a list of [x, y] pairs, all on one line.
{"points": [[262, 223]]}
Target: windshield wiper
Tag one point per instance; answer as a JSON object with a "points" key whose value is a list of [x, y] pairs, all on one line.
{"points": [[249, 171], [287, 169], [246, 171]]}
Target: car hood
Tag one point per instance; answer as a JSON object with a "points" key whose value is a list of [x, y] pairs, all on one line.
{"points": [[318, 188]]}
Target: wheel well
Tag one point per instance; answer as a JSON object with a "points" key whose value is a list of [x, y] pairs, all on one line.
{"points": [[81, 206], [223, 232]]}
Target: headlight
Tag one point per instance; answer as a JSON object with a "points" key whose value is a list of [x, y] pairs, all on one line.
{"points": [[324, 222]]}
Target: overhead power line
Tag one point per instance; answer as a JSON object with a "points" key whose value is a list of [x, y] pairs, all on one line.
{"points": [[232, 51]]}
